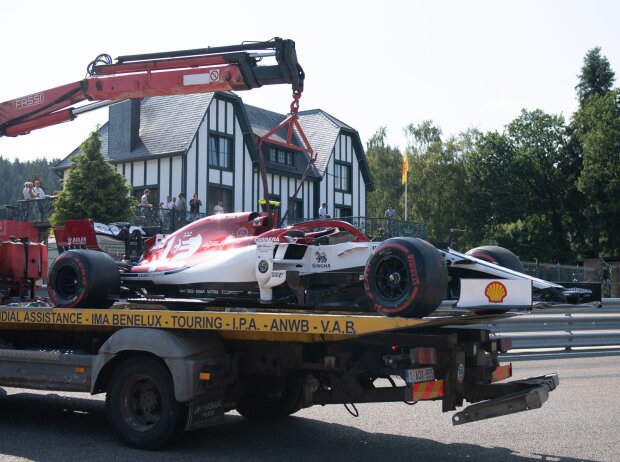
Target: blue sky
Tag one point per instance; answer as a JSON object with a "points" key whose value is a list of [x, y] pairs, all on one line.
{"points": [[472, 64]]}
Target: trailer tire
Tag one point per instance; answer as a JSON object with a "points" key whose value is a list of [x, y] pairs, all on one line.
{"points": [[84, 278], [406, 277], [499, 256], [265, 398], [141, 406]]}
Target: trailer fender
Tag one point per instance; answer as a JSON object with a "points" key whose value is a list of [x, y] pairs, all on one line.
{"points": [[186, 354]]}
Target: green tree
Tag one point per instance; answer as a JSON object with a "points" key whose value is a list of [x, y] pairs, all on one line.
{"points": [[596, 76], [14, 174], [385, 165], [93, 189], [598, 131], [516, 187], [436, 178], [487, 192]]}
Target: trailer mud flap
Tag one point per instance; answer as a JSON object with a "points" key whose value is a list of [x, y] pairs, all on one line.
{"points": [[534, 392], [205, 411]]}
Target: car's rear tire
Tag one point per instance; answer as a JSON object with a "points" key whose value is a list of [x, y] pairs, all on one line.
{"points": [[499, 256], [84, 279], [406, 277]]}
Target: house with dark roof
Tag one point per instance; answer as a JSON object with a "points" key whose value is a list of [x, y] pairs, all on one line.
{"points": [[206, 144]]}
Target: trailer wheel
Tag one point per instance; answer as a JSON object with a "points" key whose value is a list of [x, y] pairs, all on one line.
{"points": [[406, 277], [499, 256], [141, 406], [266, 398], [84, 279]]}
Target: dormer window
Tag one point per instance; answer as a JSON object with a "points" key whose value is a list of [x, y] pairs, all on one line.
{"points": [[282, 157]]}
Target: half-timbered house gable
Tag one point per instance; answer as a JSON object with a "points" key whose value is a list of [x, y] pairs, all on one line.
{"points": [[206, 144]]}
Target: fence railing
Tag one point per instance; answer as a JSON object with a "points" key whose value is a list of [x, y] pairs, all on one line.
{"points": [[35, 210], [168, 219], [582, 330], [559, 273]]}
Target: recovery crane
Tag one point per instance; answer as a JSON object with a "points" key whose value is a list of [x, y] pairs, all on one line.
{"points": [[165, 371], [228, 68]]}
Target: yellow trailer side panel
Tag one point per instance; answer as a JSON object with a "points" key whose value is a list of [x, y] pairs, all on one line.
{"points": [[276, 327]]}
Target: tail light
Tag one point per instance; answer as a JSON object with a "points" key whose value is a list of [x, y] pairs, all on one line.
{"points": [[423, 356]]}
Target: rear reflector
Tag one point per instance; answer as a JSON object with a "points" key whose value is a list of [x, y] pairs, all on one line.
{"points": [[501, 373], [427, 390]]}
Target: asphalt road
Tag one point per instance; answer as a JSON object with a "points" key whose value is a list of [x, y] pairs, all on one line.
{"points": [[581, 421]]}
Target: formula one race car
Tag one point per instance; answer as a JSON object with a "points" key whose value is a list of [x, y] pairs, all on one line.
{"points": [[238, 260]]}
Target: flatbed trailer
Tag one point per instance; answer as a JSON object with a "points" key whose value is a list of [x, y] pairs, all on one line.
{"points": [[165, 371]]}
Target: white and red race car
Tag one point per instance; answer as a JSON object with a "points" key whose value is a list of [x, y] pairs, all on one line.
{"points": [[238, 260]]}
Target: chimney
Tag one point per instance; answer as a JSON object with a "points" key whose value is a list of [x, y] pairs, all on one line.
{"points": [[123, 127]]}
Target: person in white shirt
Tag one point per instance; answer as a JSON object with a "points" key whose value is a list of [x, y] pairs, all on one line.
{"points": [[144, 200], [25, 191], [168, 204], [219, 208], [38, 191], [390, 212], [323, 211]]}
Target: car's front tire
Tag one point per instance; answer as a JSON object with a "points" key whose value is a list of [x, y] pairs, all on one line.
{"points": [[406, 277], [499, 256]]}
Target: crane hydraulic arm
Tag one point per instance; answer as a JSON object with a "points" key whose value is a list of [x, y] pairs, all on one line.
{"points": [[234, 68]]}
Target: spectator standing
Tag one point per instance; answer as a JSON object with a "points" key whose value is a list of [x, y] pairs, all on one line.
{"points": [[219, 208], [390, 212], [144, 200], [182, 203], [182, 209], [30, 191], [194, 206], [38, 191], [25, 193], [323, 211], [166, 212]]}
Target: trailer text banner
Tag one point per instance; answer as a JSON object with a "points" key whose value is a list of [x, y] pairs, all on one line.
{"points": [[301, 327]]}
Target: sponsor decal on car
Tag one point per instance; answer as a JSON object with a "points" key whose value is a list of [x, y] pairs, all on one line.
{"points": [[321, 260], [495, 292], [263, 266], [81, 240]]}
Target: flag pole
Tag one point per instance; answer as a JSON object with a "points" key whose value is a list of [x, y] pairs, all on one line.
{"points": [[406, 170], [406, 181]]}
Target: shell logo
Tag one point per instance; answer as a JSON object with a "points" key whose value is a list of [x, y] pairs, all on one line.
{"points": [[495, 292]]}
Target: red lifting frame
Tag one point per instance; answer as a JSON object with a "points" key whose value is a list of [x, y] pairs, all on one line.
{"points": [[292, 124]]}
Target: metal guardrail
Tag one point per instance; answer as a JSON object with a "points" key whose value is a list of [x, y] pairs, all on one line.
{"points": [[569, 330]]}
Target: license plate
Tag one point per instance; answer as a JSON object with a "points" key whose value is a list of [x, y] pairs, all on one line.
{"points": [[423, 374]]}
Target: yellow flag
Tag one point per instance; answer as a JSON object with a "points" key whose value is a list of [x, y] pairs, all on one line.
{"points": [[404, 179]]}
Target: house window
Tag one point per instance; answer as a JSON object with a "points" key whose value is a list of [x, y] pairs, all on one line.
{"points": [[282, 157], [216, 195], [220, 152], [296, 212], [342, 177], [343, 212]]}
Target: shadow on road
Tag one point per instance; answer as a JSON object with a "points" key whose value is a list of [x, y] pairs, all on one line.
{"points": [[56, 428]]}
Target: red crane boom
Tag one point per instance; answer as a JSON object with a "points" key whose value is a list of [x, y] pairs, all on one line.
{"points": [[235, 68]]}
